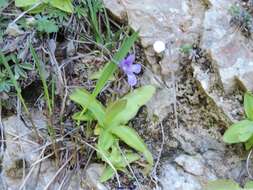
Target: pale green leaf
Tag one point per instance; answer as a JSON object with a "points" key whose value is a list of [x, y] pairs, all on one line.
{"points": [[249, 185], [249, 143], [64, 5], [115, 155], [129, 158], [40, 8], [86, 100], [135, 100], [25, 3], [222, 185], [107, 174], [239, 132], [107, 72], [27, 66], [248, 105], [3, 3], [45, 25], [113, 110], [98, 74], [132, 139], [118, 161], [105, 140], [79, 116]]}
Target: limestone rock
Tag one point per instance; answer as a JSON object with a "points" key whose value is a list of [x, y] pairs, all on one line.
{"points": [[192, 164], [175, 179], [21, 153], [117, 9], [230, 50], [93, 173], [19, 168]]}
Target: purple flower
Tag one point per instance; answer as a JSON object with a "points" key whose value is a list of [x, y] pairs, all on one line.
{"points": [[130, 69]]}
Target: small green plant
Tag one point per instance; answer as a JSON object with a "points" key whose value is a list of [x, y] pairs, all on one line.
{"points": [[186, 48], [234, 10], [241, 19], [242, 131], [19, 70], [228, 185], [64, 5], [44, 25], [112, 126], [3, 60], [5, 82], [48, 99], [95, 10], [81, 11], [94, 7], [111, 120], [58, 15]]}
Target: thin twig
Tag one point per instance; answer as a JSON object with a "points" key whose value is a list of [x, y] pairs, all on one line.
{"points": [[42, 159], [173, 78], [89, 159], [154, 172], [161, 149], [63, 182], [27, 11], [106, 159], [30, 172], [57, 173], [130, 168], [247, 164], [2, 141]]}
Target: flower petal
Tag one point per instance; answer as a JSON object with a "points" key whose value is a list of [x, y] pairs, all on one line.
{"points": [[136, 68], [131, 79], [130, 59], [123, 65]]}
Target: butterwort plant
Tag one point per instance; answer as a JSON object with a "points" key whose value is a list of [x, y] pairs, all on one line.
{"points": [[239, 132], [225, 184], [242, 131], [112, 120]]}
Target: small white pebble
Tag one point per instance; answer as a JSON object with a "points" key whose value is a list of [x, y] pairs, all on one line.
{"points": [[159, 46]]}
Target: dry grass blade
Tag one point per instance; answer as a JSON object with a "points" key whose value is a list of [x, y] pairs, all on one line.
{"points": [[30, 172], [58, 172], [248, 164], [2, 139]]}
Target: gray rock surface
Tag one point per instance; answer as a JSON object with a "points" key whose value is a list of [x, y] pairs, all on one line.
{"points": [[231, 59], [200, 155], [191, 164], [229, 49], [20, 156], [176, 179], [21, 166], [93, 173]]}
